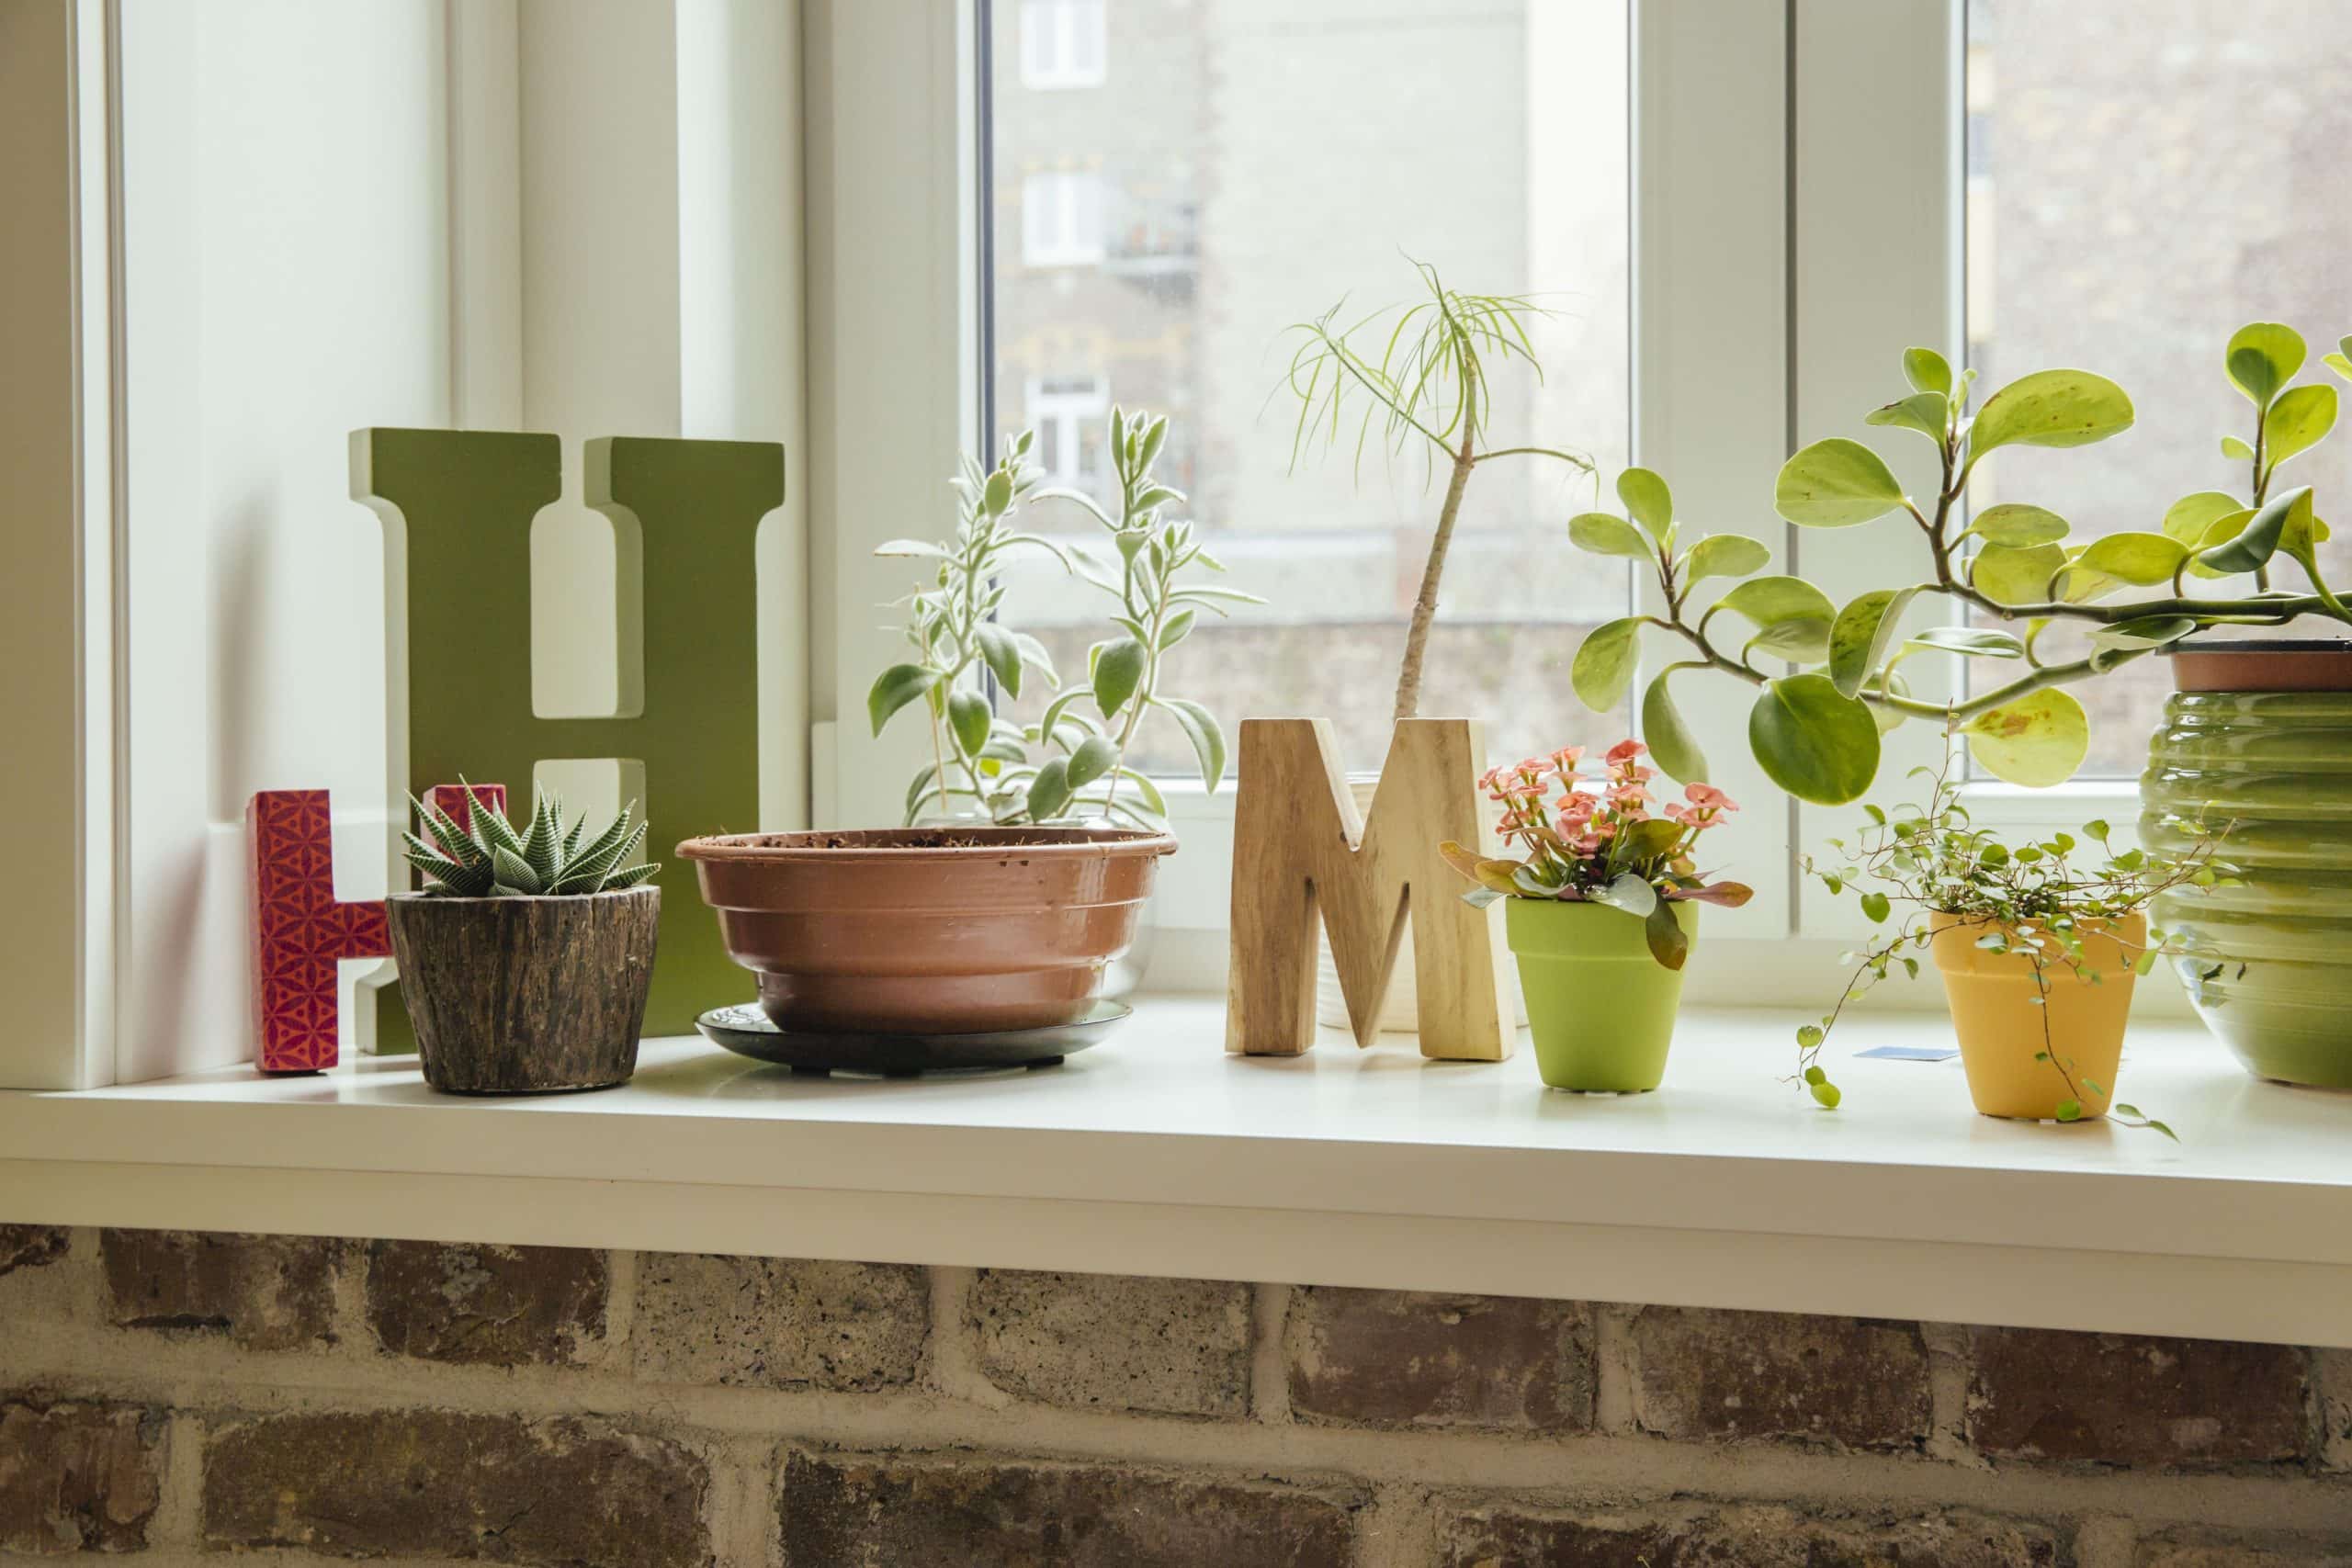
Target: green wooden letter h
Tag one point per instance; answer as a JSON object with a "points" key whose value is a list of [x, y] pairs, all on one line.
{"points": [[458, 508]]}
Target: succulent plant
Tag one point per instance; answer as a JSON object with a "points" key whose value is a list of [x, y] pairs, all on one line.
{"points": [[490, 859]]}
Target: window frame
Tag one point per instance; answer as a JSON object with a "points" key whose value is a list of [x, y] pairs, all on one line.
{"points": [[1069, 23], [1709, 387]]}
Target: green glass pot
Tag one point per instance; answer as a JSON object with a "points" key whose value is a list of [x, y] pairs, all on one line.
{"points": [[1600, 1006], [2257, 738]]}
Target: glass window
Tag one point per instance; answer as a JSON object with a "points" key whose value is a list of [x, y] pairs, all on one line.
{"points": [[2128, 208], [1061, 43], [1258, 165], [1061, 218]]}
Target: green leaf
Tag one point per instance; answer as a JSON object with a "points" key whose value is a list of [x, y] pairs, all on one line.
{"points": [[1628, 892], [1876, 906], [1049, 792], [2261, 358], [2219, 532], [2139, 559], [1858, 637], [1034, 654], [2070, 1110], [1175, 630], [1200, 728], [895, 688], [2050, 408], [1647, 501], [911, 547], [1672, 746], [1922, 411], [1605, 535], [967, 719], [1803, 641], [997, 494], [1976, 642], [1826, 1094], [2009, 575], [2143, 632], [2018, 526], [2298, 422], [1767, 601], [513, 872], [1927, 371], [1000, 654], [2341, 360], [2259, 541], [1118, 671], [1725, 555], [2038, 740], [2191, 517], [1667, 943], [1813, 741], [1604, 665], [1836, 484], [1094, 757]]}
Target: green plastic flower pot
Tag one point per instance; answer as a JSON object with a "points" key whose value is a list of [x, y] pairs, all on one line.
{"points": [[2257, 738], [1600, 1006]]}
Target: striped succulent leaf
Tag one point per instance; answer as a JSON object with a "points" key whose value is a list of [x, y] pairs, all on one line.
{"points": [[546, 859]]}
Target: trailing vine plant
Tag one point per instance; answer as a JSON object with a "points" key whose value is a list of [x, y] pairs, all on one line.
{"points": [[1816, 732], [1428, 386], [1071, 764], [2041, 899]]}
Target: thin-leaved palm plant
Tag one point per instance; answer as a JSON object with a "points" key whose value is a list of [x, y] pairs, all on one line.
{"points": [[1428, 388]]}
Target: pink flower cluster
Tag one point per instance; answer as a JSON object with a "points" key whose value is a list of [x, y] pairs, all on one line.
{"points": [[1584, 821]]}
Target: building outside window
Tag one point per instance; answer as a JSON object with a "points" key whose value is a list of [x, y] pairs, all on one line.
{"points": [[1061, 218], [1062, 43]]}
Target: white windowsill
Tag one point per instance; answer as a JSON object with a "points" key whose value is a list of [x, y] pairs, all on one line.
{"points": [[1157, 1153]]}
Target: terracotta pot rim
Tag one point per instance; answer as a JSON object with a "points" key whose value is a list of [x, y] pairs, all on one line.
{"points": [[2260, 645], [417, 896], [873, 844]]}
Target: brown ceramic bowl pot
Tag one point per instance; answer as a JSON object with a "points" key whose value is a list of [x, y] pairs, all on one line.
{"points": [[928, 930]]}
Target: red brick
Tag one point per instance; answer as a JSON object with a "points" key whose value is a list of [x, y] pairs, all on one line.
{"points": [[897, 1511], [2113, 1399], [1861, 1382], [437, 1483], [264, 1292], [1734, 1536], [1410, 1359], [77, 1476], [499, 1307], [31, 1247], [2211, 1549]]}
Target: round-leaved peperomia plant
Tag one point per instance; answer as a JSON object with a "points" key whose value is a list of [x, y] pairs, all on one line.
{"points": [[1816, 731]]}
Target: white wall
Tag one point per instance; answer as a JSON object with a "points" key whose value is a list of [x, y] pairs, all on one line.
{"points": [[285, 171]]}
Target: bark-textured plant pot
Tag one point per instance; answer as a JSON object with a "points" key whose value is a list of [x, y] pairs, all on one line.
{"points": [[928, 930], [2258, 735], [526, 995]]}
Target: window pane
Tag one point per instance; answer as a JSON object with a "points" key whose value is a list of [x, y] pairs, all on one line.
{"points": [[2143, 180], [1245, 167]]}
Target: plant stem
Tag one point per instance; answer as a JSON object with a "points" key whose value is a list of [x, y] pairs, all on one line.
{"points": [[1417, 634]]}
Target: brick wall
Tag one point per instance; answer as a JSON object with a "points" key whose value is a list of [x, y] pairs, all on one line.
{"points": [[185, 1397]]}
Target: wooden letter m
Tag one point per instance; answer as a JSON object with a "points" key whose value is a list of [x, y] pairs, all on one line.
{"points": [[1302, 853]]}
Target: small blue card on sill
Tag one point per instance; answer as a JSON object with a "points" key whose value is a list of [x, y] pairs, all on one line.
{"points": [[1911, 1053]]}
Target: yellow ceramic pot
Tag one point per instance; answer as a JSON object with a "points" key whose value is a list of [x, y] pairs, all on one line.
{"points": [[2003, 1027]]}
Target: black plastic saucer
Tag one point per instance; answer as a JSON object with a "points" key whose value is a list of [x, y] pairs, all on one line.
{"points": [[747, 1031]]}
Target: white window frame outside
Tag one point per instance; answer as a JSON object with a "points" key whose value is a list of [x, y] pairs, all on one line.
{"points": [[1065, 408], [1055, 36], [1061, 218]]}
